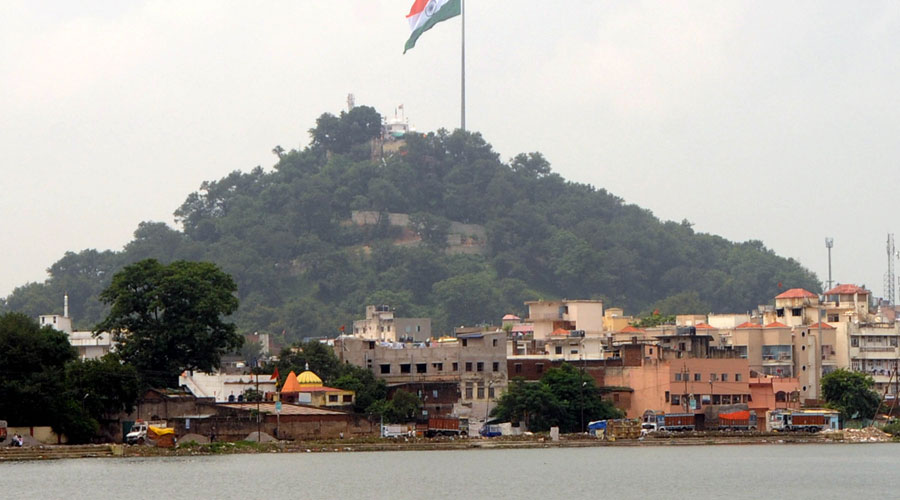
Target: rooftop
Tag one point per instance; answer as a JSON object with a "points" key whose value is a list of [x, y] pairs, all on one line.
{"points": [[796, 293], [847, 289]]}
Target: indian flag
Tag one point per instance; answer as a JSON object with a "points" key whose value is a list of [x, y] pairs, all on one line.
{"points": [[426, 13]]}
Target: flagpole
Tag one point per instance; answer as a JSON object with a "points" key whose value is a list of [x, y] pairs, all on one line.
{"points": [[462, 8]]}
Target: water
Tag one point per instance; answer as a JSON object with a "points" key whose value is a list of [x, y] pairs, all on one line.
{"points": [[696, 472]]}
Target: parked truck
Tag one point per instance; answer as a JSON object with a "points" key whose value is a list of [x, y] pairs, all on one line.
{"points": [[442, 426], [811, 420], [141, 433], [741, 420], [622, 428], [675, 422]]}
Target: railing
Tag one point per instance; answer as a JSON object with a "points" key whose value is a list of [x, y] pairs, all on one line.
{"points": [[878, 348]]}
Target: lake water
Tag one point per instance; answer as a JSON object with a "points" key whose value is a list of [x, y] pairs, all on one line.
{"points": [[696, 472]]}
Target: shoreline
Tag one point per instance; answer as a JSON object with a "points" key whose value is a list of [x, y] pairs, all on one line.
{"points": [[49, 452]]}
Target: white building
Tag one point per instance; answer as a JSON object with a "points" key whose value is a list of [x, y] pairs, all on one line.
{"points": [[87, 345], [223, 387]]}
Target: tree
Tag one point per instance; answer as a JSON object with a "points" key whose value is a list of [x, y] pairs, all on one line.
{"points": [[33, 388], [562, 396], [104, 386], [369, 389], [850, 393], [169, 318]]}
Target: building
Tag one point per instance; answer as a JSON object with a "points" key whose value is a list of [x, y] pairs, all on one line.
{"points": [[86, 344], [380, 324], [307, 388], [576, 315], [224, 387], [874, 351], [473, 365]]}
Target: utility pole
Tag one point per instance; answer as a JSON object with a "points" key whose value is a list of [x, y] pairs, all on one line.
{"points": [[258, 398], [829, 243], [684, 376]]}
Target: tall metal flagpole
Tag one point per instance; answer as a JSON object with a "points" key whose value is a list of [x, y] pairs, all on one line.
{"points": [[462, 8]]}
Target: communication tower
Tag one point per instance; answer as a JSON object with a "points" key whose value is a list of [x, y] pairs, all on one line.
{"points": [[889, 281], [829, 243]]}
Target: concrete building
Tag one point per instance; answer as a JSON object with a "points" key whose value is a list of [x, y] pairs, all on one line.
{"points": [[223, 387], [614, 319], [380, 324], [577, 315], [805, 352], [874, 351], [85, 343], [475, 363]]}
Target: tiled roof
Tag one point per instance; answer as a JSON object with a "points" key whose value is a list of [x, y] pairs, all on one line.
{"points": [[824, 326], [704, 326], [511, 317], [847, 289], [796, 293], [748, 324], [629, 329], [560, 331], [776, 324]]}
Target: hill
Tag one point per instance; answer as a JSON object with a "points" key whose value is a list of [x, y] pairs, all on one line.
{"points": [[314, 240]]}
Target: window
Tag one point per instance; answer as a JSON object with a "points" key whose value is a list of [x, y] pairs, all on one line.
{"points": [[854, 341], [796, 312], [348, 398], [741, 351], [465, 342], [616, 397], [573, 351], [676, 400], [681, 346], [456, 367], [779, 312], [405, 368], [651, 350], [724, 377], [480, 392], [737, 377], [495, 342], [371, 345], [468, 366], [518, 368], [434, 393], [491, 392], [438, 366], [386, 368], [559, 349], [468, 390], [834, 318], [539, 367], [726, 399], [418, 328], [667, 396], [421, 367], [678, 376], [332, 398], [698, 377], [479, 366], [496, 366]]}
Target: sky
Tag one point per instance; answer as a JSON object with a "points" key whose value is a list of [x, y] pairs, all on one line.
{"points": [[764, 120]]}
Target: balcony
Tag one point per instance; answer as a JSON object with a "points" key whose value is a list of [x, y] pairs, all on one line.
{"points": [[777, 358], [878, 348]]}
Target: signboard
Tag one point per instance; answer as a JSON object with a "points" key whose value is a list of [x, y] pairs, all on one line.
{"points": [[278, 406], [187, 423]]}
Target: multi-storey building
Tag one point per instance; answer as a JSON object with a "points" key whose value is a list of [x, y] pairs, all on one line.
{"points": [[548, 316], [472, 366], [380, 324]]}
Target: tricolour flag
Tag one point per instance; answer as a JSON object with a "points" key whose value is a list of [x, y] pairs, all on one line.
{"points": [[426, 13]]}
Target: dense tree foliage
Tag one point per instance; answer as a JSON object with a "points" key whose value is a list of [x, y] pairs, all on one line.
{"points": [[42, 382], [303, 269], [564, 397], [170, 318], [851, 393]]}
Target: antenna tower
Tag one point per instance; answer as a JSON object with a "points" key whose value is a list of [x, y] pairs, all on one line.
{"points": [[829, 243], [351, 102], [889, 281]]}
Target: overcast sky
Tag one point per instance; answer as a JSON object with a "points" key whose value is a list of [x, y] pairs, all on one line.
{"points": [[777, 121]]}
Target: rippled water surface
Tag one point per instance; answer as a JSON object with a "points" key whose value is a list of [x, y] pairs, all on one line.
{"points": [[695, 472]]}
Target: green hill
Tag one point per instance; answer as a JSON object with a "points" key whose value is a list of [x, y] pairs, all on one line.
{"points": [[517, 231]]}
